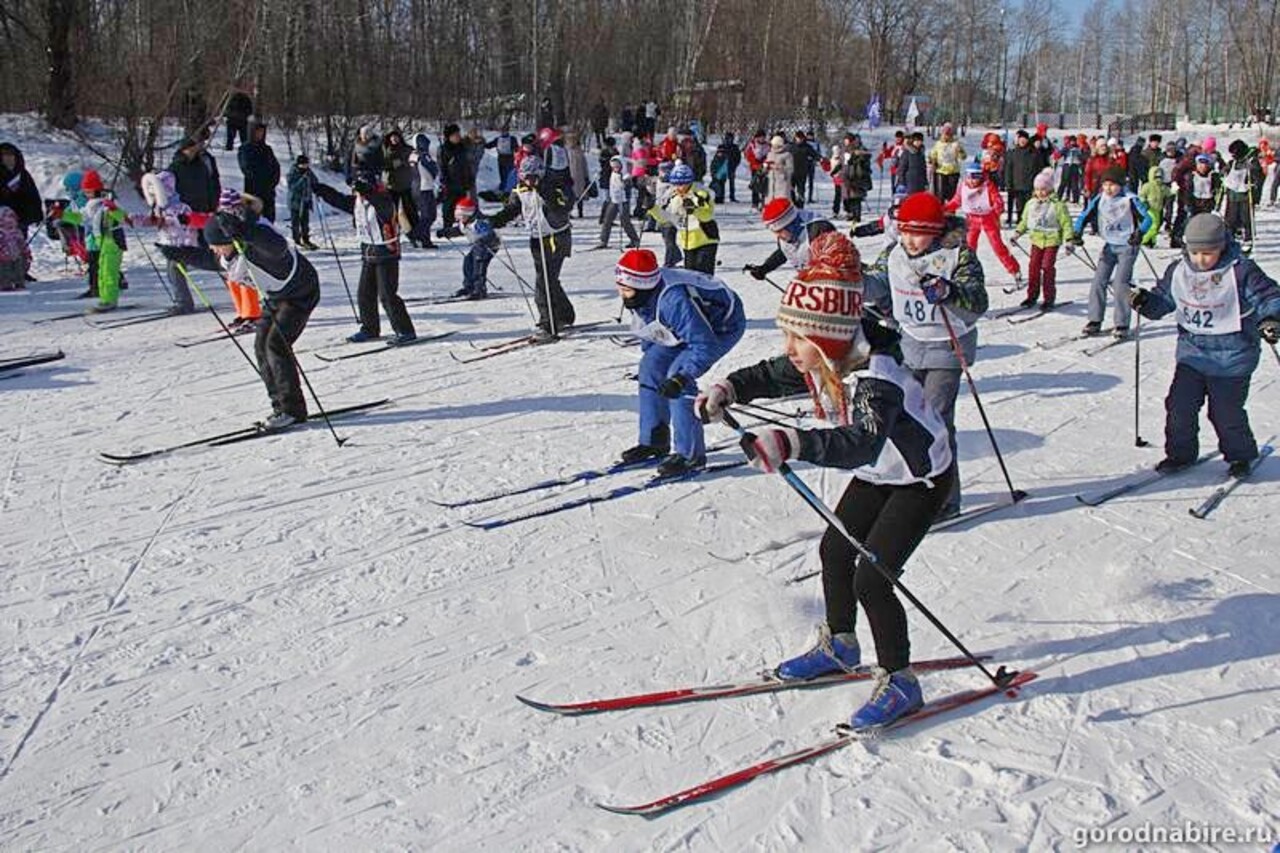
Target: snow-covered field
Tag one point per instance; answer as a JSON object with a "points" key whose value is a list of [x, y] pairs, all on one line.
{"points": [[283, 644]]}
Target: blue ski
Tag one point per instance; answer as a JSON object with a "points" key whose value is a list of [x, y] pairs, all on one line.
{"points": [[1211, 502], [612, 494]]}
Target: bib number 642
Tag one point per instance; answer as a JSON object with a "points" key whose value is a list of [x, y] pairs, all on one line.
{"points": [[1202, 319]]}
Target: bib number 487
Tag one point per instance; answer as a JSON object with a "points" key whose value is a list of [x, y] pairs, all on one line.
{"points": [[920, 311]]}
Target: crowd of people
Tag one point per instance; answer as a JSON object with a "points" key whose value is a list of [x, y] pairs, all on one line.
{"points": [[880, 347]]}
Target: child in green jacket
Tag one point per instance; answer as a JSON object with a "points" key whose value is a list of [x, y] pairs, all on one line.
{"points": [[1154, 193], [1046, 217]]}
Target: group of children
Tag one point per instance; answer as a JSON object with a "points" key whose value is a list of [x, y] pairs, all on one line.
{"points": [[881, 349]]}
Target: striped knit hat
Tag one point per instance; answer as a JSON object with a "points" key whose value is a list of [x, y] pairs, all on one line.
{"points": [[823, 303], [638, 269], [778, 214]]}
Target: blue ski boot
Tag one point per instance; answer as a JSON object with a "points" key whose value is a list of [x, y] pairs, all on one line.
{"points": [[896, 695], [838, 653]]}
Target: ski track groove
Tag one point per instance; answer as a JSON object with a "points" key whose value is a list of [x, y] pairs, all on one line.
{"points": [[318, 575], [84, 645]]}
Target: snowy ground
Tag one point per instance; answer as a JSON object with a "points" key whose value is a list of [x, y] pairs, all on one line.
{"points": [[283, 644]]}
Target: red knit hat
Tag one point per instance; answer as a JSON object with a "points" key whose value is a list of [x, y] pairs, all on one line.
{"points": [[778, 214], [638, 269], [823, 304], [921, 213], [465, 207], [91, 181]]}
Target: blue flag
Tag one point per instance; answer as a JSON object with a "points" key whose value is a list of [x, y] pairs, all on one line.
{"points": [[873, 112]]}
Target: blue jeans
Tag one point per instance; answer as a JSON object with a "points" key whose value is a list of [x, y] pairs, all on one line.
{"points": [[1120, 260]]}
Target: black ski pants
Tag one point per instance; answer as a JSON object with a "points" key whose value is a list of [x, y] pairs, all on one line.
{"points": [[380, 282], [278, 330], [890, 521]]}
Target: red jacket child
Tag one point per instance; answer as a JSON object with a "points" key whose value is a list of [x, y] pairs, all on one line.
{"points": [[979, 200]]}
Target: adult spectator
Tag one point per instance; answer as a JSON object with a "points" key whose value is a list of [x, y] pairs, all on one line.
{"points": [[779, 166], [599, 121], [399, 175], [546, 112], [196, 175], [651, 113], [366, 153], [946, 157], [913, 169], [475, 144], [1021, 165], [260, 168], [17, 190], [456, 178], [236, 114], [802, 160]]}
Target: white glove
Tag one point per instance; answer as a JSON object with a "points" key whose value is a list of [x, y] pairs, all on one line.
{"points": [[771, 447], [710, 404]]}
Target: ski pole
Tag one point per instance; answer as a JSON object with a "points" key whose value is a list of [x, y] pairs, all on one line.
{"points": [[142, 244], [1088, 257], [1138, 440], [776, 286], [1000, 678], [525, 287], [546, 272], [1142, 251], [324, 226], [1015, 494], [191, 284], [461, 251], [796, 414], [289, 348]]}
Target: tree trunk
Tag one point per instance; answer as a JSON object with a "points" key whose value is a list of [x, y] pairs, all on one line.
{"points": [[62, 94]]}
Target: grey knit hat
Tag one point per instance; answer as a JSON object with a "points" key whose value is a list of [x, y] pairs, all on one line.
{"points": [[1205, 232]]}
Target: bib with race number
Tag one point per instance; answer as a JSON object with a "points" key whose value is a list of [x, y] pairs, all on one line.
{"points": [[1115, 218], [917, 317], [1208, 302]]}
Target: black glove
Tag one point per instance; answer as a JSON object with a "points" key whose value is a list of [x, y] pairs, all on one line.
{"points": [[440, 233], [755, 272], [183, 219], [673, 387], [1135, 239], [1138, 297], [690, 205], [1270, 330], [1077, 239]]}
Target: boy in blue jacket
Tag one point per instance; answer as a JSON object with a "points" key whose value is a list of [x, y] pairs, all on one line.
{"points": [[1224, 305], [686, 321], [1121, 219]]}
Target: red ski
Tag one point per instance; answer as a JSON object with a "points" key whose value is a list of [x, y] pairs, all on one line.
{"points": [[839, 741], [763, 684]]}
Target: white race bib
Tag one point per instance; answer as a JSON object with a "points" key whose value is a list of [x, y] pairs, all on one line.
{"points": [[1208, 302], [1115, 218], [654, 331], [913, 312], [975, 201]]}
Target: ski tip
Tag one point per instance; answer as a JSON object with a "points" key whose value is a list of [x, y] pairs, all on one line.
{"points": [[562, 710], [642, 811]]}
